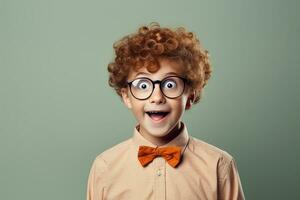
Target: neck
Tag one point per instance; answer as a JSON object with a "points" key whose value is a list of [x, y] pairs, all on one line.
{"points": [[159, 141]]}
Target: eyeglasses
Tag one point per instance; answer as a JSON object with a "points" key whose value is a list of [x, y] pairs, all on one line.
{"points": [[171, 87]]}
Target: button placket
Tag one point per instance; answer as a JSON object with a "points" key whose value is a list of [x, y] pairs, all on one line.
{"points": [[160, 179], [159, 173]]}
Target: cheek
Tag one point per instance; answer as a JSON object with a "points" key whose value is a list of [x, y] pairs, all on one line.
{"points": [[137, 108], [176, 106], [179, 105], [138, 112]]}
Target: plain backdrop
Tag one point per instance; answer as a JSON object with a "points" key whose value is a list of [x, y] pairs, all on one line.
{"points": [[57, 112]]}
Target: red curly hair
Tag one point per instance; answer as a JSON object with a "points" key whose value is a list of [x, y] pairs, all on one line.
{"points": [[148, 44]]}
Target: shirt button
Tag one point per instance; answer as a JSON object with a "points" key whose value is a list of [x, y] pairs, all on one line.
{"points": [[159, 172]]}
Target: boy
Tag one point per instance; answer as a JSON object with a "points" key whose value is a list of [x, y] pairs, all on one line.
{"points": [[159, 73]]}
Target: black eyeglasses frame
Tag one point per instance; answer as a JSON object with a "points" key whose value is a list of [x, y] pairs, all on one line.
{"points": [[160, 86]]}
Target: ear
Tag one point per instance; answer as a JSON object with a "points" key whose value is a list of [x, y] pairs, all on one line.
{"points": [[125, 97], [190, 100]]}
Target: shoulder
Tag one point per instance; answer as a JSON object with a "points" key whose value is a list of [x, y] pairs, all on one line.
{"points": [[220, 158], [201, 147], [112, 153]]}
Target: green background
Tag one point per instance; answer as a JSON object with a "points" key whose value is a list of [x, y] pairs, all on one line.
{"points": [[57, 112]]}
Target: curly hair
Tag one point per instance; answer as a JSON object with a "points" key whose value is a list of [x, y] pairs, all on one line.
{"points": [[148, 44]]}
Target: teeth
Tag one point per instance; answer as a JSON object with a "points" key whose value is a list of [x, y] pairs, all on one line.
{"points": [[152, 112]]}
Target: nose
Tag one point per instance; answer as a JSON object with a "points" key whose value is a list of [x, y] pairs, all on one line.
{"points": [[157, 96]]}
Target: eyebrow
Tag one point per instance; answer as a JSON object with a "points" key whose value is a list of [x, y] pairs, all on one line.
{"points": [[144, 73]]}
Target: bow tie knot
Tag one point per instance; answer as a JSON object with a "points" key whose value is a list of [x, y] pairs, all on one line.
{"points": [[172, 154]]}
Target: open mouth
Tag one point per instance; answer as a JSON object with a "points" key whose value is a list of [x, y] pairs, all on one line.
{"points": [[157, 115]]}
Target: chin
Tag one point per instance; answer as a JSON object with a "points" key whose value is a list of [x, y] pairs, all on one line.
{"points": [[158, 131]]}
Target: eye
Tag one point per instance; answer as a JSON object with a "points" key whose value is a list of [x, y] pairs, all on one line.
{"points": [[169, 84], [141, 84]]}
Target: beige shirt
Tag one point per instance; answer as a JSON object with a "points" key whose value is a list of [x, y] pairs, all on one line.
{"points": [[205, 172]]}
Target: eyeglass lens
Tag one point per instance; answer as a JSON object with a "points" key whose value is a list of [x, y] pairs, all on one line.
{"points": [[171, 87]]}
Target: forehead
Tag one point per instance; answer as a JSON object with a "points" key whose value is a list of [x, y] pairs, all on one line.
{"points": [[167, 67]]}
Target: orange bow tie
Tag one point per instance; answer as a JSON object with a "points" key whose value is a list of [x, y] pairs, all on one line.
{"points": [[171, 154]]}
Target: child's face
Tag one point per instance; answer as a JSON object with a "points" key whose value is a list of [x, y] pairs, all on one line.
{"points": [[153, 127]]}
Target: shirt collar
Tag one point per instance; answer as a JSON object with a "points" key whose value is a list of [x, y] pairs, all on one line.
{"points": [[180, 140]]}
